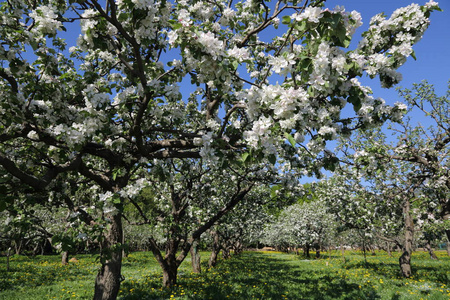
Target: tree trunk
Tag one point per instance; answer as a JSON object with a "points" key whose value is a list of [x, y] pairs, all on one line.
{"points": [[447, 232], [405, 258], [213, 258], [388, 249], [306, 251], [364, 247], [430, 251], [226, 253], [65, 257], [238, 248], [448, 242], [448, 247], [124, 251], [195, 258], [317, 246], [445, 214], [107, 283], [215, 250], [343, 252], [170, 272], [8, 254], [17, 246]]}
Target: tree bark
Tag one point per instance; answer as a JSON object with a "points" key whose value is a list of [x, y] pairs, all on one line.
{"points": [[429, 249], [405, 258], [170, 272], [17, 246], [448, 247], [169, 263], [239, 249], [317, 246], [65, 257], [215, 250], [226, 253], [306, 251], [195, 258], [8, 254], [447, 232], [107, 283]]}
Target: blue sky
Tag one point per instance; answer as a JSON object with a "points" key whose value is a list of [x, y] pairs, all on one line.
{"points": [[432, 52]]}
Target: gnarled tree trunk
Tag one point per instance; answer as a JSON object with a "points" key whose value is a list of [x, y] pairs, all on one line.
{"points": [[226, 254], [168, 263], [107, 283], [170, 271]]}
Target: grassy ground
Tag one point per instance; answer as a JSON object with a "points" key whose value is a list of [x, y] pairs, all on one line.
{"points": [[253, 275]]}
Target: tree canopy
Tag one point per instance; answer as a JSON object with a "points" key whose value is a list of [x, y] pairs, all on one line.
{"points": [[227, 84]]}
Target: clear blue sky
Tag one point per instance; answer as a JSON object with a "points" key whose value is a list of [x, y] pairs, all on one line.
{"points": [[432, 52]]}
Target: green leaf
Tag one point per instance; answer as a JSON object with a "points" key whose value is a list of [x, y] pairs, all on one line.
{"points": [[336, 18], [310, 91], [286, 20], [273, 191], [300, 26], [290, 138], [116, 199], [245, 156], [347, 42], [272, 159], [176, 26]]}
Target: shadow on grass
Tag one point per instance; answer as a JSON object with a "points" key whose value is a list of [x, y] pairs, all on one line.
{"points": [[40, 271], [392, 270], [259, 276]]}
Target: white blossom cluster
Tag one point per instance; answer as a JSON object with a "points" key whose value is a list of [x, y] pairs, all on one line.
{"points": [[386, 35], [46, 19]]}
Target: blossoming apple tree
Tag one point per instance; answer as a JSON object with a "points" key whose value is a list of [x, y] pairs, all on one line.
{"points": [[151, 80], [187, 200], [407, 172], [304, 224]]}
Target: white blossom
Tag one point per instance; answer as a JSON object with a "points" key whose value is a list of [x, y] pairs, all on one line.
{"points": [[46, 20]]}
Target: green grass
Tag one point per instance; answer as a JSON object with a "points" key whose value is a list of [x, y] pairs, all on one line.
{"points": [[253, 275]]}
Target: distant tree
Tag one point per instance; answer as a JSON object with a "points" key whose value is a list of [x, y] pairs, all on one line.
{"points": [[408, 171]]}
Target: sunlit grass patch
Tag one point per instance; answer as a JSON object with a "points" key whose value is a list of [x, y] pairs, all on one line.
{"points": [[252, 275]]}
